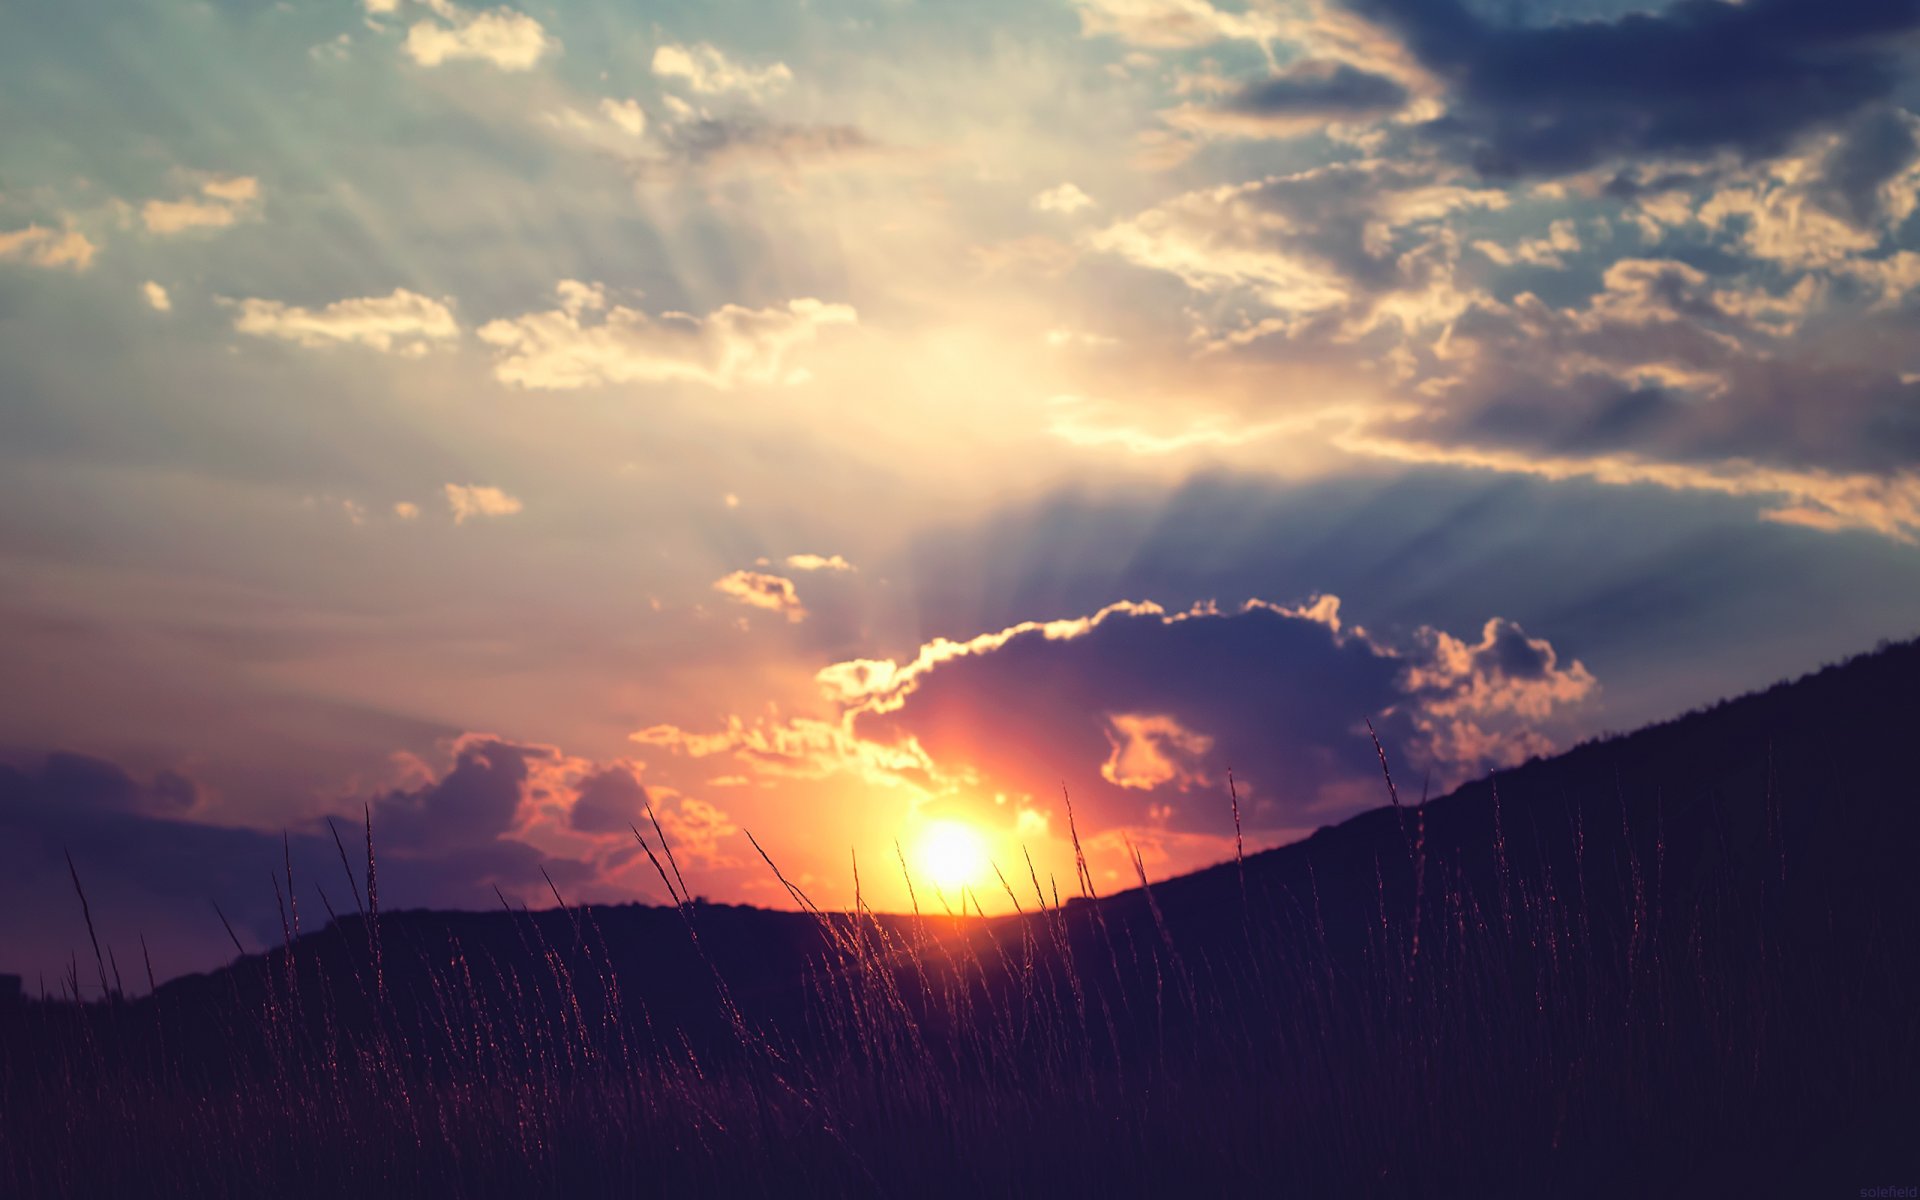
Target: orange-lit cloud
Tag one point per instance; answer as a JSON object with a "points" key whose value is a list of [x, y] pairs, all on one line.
{"points": [[472, 500], [222, 201], [756, 589], [39, 246], [1141, 710]]}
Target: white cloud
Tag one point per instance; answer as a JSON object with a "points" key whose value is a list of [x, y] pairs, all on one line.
{"points": [[222, 201], [405, 321], [477, 500], [510, 40], [1172, 24], [1065, 199], [157, 296], [706, 70], [759, 590], [406, 510], [727, 347], [39, 246], [380, 8], [627, 114]]}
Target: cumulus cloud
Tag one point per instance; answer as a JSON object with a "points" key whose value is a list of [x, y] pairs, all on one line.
{"points": [[704, 69], [156, 296], [510, 40], [587, 342], [757, 589], [609, 802], [221, 201], [479, 500], [404, 322], [1141, 711], [50, 249], [1064, 199]]}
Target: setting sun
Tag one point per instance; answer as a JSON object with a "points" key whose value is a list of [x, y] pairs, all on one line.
{"points": [[952, 855]]}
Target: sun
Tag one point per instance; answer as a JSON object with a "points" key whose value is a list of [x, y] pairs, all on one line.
{"points": [[952, 855]]}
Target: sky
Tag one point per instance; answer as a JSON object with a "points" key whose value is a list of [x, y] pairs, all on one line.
{"points": [[857, 421]]}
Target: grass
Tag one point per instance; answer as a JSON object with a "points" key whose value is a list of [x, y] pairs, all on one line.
{"points": [[1574, 997]]}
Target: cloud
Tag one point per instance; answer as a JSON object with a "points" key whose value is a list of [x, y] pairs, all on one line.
{"points": [[510, 40], [1152, 750], [609, 802], [222, 201], [704, 69], [151, 861], [39, 246], [626, 114], [1693, 80], [1141, 711], [405, 322], [1079, 421], [1173, 24], [758, 590], [1562, 239], [156, 296], [406, 510], [1303, 98], [1355, 243], [478, 500], [816, 562], [1064, 199], [730, 346], [746, 143], [1888, 505]]}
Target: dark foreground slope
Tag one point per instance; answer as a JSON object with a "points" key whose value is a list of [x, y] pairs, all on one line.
{"points": [[1681, 962]]}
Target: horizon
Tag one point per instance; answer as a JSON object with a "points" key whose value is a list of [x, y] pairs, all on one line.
{"points": [[857, 422]]}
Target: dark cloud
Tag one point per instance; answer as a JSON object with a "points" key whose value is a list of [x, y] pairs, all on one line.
{"points": [[475, 802], [1141, 712], [80, 782], [1315, 91], [1698, 78], [751, 144], [1665, 364], [149, 872], [608, 802], [1877, 147]]}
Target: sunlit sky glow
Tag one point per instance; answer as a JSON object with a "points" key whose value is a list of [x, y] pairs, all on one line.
{"points": [[855, 420]]}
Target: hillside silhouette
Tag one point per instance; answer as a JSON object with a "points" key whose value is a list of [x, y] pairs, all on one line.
{"points": [[1679, 961]]}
